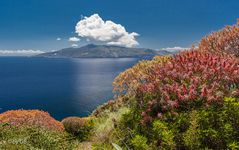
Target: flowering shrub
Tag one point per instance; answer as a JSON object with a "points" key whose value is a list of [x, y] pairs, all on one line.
{"points": [[191, 79], [181, 102], [79, 127], [128, 81], [33, 118], [225, 41]]}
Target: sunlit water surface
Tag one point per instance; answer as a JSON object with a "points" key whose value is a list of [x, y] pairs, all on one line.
{"points": [[63, 87]]}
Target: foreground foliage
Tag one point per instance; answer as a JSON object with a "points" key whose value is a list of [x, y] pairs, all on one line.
{"points": [[104, 130], [211, 127], [189, 101], [26, 138]]}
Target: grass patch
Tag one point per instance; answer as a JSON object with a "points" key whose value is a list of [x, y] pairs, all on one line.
{"points": [[22, 138], [105, 125]]}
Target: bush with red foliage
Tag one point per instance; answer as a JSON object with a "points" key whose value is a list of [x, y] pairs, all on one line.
{"points": [[225, 41], [127, 82], [191, 79], [32, 118]]}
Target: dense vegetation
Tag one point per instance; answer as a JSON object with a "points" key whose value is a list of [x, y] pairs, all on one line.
{"points": [[186, 101]]}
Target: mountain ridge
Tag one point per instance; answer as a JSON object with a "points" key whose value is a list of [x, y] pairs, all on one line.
{"points": [[103, 51]]}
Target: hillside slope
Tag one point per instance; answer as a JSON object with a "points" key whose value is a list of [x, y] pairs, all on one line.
{"points": [[103, 51]]}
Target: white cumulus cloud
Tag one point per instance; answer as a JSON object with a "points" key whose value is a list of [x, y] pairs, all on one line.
{"points": [[95, 28], [20, 52], [58, 39], [74, 39]]}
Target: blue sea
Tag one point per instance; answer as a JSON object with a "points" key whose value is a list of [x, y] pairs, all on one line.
{"points": [[63, 87]]}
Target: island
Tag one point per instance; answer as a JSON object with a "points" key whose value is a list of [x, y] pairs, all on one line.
{"points": [[103, 51]]}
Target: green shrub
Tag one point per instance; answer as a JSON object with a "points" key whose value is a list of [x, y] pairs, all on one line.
{"points": [[233, 145], [163, 135], [211, 127], [192, 136], [22, 138], [219, 126], [80, 127], [139, 142]]}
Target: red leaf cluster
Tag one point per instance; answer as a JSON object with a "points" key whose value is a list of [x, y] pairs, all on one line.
{"points": [[32, 118], [191, 79]]}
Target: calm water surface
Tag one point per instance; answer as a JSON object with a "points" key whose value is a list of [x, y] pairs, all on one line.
{"points": [[63, 87]]}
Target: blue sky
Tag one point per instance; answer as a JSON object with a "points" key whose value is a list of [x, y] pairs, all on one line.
{"points": [[36, 24]]}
